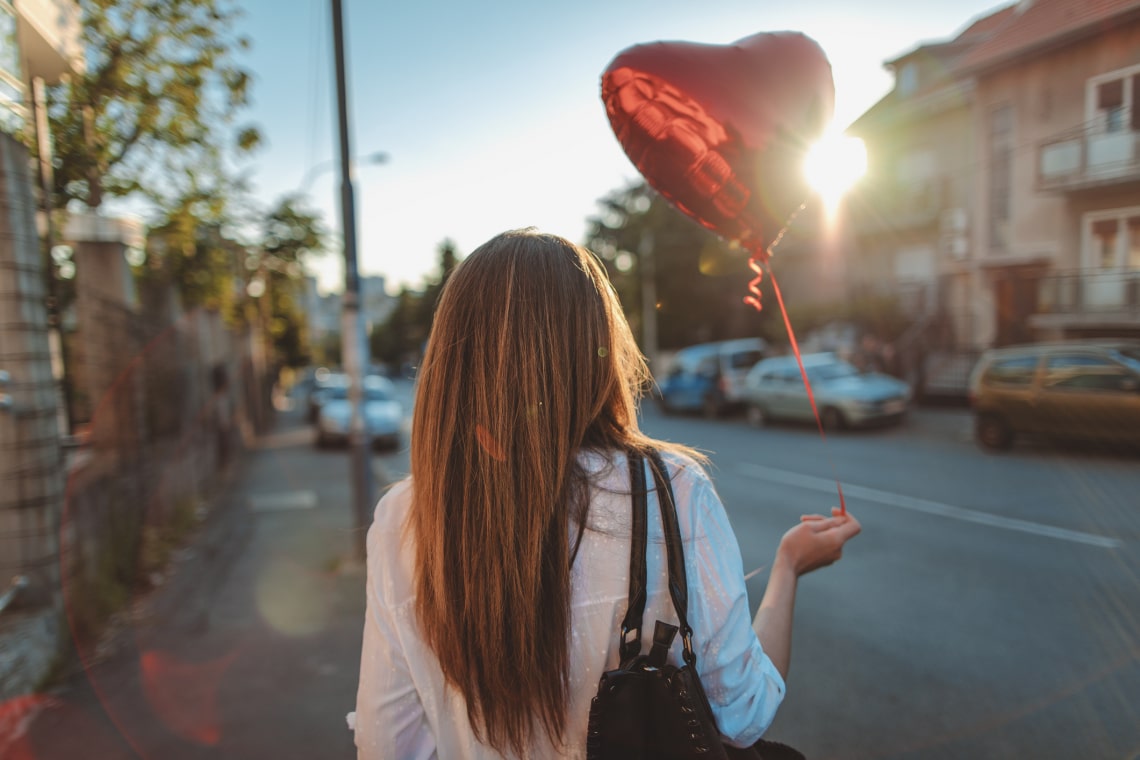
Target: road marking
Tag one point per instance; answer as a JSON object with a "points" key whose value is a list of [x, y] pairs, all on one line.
{"points": [[283, 502], [926, 506]]}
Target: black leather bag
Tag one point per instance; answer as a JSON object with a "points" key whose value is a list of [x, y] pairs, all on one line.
{"points": [[647, 708]]}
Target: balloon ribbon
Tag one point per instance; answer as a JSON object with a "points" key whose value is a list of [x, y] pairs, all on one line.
{"points": [[756, 262]]}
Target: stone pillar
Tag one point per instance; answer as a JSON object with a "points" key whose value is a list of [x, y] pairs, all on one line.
{"points": [[31, 464]]}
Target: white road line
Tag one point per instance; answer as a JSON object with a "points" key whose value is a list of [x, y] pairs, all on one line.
{"points": [[813, 483], [287, 501]]}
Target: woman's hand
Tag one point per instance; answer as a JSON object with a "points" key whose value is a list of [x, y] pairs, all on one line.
{"points": [[816, 542]]}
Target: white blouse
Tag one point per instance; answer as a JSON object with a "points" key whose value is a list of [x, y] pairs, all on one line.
{"points": [[405, 710]]}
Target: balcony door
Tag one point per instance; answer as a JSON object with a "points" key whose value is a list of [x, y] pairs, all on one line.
{"points": [[1111, 253], [1112, 103]]}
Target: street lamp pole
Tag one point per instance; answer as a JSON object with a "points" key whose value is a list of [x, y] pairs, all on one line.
{"points": [[354, 343]]}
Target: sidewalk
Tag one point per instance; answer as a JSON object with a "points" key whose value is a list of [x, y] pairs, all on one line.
{"points": [[251, 648]]}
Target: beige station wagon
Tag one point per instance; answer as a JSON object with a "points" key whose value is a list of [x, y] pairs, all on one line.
{"points": [[1080, 389]]}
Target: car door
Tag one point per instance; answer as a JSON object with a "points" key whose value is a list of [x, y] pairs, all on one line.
{"points": [[1089, 396], [1010, 389]]}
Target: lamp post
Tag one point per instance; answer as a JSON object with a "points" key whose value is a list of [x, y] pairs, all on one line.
{"points": [[354, 341], [373, 159]]}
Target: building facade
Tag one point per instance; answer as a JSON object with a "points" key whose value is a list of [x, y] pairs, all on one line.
{"points": [[1058, 198]]}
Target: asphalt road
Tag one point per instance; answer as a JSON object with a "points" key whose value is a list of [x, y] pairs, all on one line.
{"points": [[991, 608]]}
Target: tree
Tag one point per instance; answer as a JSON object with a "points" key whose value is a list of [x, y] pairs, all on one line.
{"points": [[700, 280], [147, 114], [404, 333]]}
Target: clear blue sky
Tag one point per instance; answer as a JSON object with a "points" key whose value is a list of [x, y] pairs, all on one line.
{"points": [[491, 111]]}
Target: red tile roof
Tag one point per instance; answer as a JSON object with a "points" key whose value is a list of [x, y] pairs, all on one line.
{"points": [[1039, 23], [985, 25]]}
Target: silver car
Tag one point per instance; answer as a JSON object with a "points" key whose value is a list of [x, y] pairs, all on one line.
{"points": [[383, 415], [774, 389]]}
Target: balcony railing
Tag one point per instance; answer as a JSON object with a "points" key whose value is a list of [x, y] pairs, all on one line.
{"points": [[1113, 293], [1087, 157]]}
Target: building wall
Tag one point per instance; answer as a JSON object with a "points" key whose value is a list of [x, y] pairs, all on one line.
{"points": [[937, 152], [1048, 97]]}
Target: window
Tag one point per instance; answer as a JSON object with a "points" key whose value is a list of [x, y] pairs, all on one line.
{"points": [[745, 359], [1001, 174], [1018, 371], [1112, 380], [1112, 240], [1110, 104], [908, 78], [1104, 243], [1133, 243], [1070, 361], [1113, 101]]}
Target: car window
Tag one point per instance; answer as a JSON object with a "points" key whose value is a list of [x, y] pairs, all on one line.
{"points": [[708, 367], [744, 359], [833, 371], [1066, 361], [790, 375], [1014, 371], [1111, 380]]}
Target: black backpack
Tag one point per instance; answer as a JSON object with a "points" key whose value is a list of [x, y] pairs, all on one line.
{"points": [[647, 708]]}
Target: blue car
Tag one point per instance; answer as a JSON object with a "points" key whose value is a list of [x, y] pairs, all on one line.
{"points": [[709, 377]]}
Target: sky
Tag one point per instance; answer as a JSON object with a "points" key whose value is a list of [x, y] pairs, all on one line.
{"points": [[490, 113]]}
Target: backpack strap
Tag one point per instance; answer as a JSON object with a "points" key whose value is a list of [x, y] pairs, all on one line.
{"points": [[631, 624], [678, 581]]}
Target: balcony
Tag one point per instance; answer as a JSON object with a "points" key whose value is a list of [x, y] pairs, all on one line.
{"points": [[50, 38], [1087, 158], [1072, 300]]}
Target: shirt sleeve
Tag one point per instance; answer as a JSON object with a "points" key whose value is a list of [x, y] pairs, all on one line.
{"points": [[390, 720], [743, 685]]}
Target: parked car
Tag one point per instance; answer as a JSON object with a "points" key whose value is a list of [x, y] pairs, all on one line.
{"points": [[323, 381], [845, 397], [1085, 389], [383, 415], [709, 377]]}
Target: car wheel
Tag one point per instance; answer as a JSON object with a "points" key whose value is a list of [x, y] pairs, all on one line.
{"points": [[711, 407], [321, 441], [993, 432], [663, 405], [756, 415], [832, 419]]}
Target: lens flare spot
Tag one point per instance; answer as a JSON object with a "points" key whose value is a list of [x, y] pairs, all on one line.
{"points": [[834, 165], [291, 599], [184, 695]]}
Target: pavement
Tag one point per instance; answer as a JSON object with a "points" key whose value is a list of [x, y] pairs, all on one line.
{"points": [[250, 648]]}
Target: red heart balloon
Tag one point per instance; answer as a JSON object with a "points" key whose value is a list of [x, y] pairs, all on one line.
{"points": [[722, 130]]}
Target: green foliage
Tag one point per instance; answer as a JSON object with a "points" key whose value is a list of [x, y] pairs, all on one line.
{"points": [[402, 336], [149, 113], [700, 280]]}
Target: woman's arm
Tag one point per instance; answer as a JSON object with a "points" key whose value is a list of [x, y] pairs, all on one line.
{"points": [[816, 542]]}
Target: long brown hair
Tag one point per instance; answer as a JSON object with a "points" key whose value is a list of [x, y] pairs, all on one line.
{"points": [[530, 360]]}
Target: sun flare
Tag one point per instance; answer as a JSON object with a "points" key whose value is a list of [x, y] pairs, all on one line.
{"points": [[833, 165]]}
